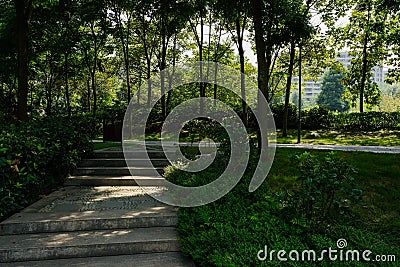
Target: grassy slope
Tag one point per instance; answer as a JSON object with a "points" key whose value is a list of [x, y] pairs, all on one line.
{"points": [[378, 175], [229, 231]]}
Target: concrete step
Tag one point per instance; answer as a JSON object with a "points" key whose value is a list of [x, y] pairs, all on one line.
{"points": [[31, 247], [132, 155], [51, 222], [166, 259], [116, 162], [117, 171], [99, 180]]}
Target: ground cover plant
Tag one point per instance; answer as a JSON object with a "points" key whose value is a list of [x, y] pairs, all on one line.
{"points": [[232, 230]]}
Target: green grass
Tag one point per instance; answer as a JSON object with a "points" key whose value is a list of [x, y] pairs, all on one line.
{"points": [[230, 231], [378, 175], [97, 146], [328, 137]]}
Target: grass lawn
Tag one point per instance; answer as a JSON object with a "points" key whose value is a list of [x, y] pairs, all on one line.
{"points": [[328, 137], [102, 145], [378, 175], [230, 231]]}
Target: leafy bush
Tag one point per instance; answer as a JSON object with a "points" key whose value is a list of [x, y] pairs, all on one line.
{"points": [[232, 230], [315, 118], [37, 156], [319, 117], [278, 110], [367, 121], [325, 191]]}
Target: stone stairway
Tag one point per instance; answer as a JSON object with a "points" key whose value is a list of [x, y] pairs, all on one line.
{"points": [[100, 218], [108, 167]]}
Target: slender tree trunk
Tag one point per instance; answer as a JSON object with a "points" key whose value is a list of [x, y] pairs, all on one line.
{"points": [[288, 87], [163, 66], [216, 57], [299, 115], [364, 64], [125, 48], [23, 15], [49, 85], [202, 90], [88, 95], [260, 47], [94, 92], [93, 72], [67, 84], [148, 83], [239, 33], [171, 76], [261, 60]]}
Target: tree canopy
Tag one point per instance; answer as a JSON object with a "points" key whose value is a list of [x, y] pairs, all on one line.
{"points": [[72, 57]]}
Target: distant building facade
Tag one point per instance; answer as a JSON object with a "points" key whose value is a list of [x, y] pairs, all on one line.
{"points": [[312, 88]]}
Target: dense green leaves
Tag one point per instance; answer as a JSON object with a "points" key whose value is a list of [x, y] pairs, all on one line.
{"points": [[332, 90], [232, 230], [36, 157]]}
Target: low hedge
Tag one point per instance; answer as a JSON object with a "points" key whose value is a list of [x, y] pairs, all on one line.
{"points": [[321, 118], [367, 121], [36, 157]]}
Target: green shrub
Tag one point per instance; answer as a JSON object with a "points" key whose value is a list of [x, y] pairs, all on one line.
{"points": [[325, 191], [315, 118], [37, 156], [278, 111], [367, 121], [232, 230], [320, 117]]}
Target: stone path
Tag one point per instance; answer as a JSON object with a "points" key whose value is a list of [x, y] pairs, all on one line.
{"points": [[372, 149], [100, 218]]}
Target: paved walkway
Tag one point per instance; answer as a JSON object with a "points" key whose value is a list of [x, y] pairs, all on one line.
{"points": [[373, 149], [99, 218]]}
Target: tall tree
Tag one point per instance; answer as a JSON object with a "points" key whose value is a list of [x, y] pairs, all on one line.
{"points": [[24, 11], [262, 77], [94, 36], [332, 91], [122, 16], [365, 36]]}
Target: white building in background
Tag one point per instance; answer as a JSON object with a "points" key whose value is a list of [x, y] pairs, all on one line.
{"points": [[312, 88]]}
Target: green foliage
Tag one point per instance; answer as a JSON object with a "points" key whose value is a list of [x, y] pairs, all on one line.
{"points": [[231, 231], [332, 92], [319, 117], [325, 191], [278, 110], [37, 156], [365, 36], [315, 118], [367, 121]]}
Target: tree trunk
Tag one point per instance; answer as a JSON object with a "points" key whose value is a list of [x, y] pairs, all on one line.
{"points": [[162, 67], [23, 15], [93, 72], [88, 95], [364, 65], [94, 92], [242, 77], [148, 83], [299, 104], [261, 59], [202, 90], [171, 76], [67, 85], [288, 87]]}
